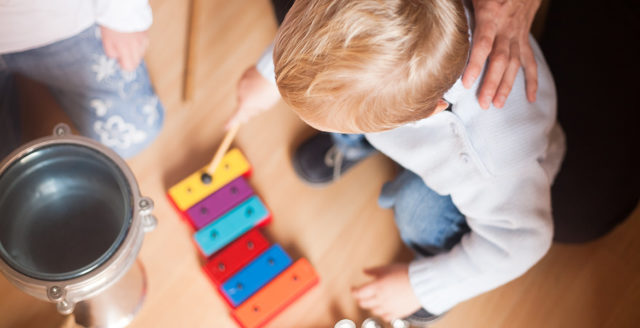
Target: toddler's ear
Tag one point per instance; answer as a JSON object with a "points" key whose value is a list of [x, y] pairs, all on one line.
{"points": [[442, 105]]}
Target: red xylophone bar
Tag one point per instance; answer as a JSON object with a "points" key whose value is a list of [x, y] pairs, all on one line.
{"points": [[226, 262]]}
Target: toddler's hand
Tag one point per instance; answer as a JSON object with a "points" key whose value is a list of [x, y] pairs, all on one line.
{"points": [[128, 48], [255, 95], [389, 295]]}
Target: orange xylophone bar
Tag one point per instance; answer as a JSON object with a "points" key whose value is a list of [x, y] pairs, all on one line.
{"points": [[276, 295]]}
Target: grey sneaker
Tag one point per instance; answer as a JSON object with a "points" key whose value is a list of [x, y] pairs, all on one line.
{"points": [[422, 318], [318, 161]]}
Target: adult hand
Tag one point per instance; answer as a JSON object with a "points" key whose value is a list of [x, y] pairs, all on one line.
{"points": [[389, 295], [127, 48], [255, 95], [501, 34]]}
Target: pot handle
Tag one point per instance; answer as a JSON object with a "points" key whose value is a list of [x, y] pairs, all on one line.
{"points": [[61, 129], [149, 222]]}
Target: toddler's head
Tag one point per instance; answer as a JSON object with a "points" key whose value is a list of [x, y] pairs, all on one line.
{"points": [[358, 66]]}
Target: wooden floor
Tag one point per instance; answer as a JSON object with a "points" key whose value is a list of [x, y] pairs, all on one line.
{"points": [[340, 229]]}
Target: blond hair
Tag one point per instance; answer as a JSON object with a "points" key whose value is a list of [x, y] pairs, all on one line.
{"points": [[369, 65]]}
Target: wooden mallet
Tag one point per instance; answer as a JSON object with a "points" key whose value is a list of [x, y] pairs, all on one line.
{"points": [[224, 147]]}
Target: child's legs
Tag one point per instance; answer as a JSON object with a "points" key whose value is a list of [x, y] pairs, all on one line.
{"points": [[9, 113], [117, 108], [428, 222]]}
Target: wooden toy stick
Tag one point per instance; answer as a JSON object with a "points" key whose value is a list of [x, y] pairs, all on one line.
{"points": [[224, 146], [190, 52]]}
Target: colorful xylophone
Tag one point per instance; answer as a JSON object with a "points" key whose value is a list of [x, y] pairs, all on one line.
{"points": [[258, 280]]}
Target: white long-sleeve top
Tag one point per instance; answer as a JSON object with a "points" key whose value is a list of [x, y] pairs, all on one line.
{"points": [[498, 166], [28, 24]]}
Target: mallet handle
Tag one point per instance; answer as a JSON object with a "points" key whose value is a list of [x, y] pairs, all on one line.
{"points": [[224, 146]]}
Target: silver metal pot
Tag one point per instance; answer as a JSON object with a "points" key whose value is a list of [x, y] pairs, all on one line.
{"points": [[72, 221]]}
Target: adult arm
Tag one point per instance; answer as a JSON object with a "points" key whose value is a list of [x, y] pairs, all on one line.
{"points": [[123, 25]]}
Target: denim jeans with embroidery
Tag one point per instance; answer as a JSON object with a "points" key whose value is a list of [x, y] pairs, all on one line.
{"points": [[104, 102], [429, 223]]}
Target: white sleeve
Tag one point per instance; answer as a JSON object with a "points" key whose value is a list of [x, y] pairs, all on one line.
{"points": [[123, 15], [265, 65], [511, 229]]}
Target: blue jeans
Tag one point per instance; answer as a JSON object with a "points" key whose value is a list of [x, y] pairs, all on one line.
{"points": [[429, 223], [117, 108]]}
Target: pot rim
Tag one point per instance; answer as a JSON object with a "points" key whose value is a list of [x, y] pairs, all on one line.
{"points": [[68, 292]]}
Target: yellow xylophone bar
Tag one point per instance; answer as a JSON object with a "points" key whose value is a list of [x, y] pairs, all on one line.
{"points": [[194, 188]]}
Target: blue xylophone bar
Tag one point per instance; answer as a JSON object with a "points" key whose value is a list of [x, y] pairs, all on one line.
{"points": [[255, 275]]}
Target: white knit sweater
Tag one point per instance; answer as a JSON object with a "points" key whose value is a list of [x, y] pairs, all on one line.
{"points": [[498, 166]]}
